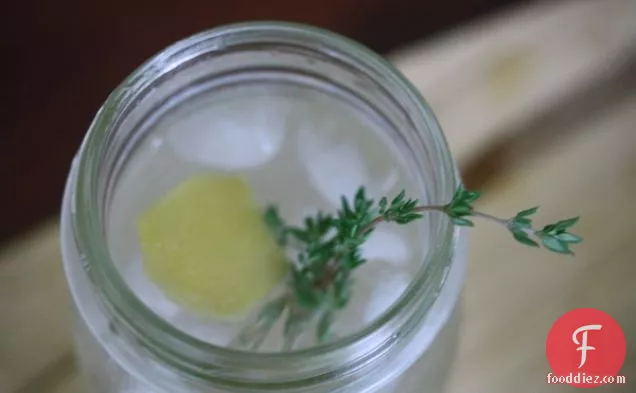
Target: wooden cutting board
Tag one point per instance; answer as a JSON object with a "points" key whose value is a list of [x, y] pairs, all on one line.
{"points": [[579, 159]]}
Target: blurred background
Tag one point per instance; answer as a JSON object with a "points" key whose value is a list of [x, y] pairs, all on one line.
{"points": [[537, 100], [62, 58]]}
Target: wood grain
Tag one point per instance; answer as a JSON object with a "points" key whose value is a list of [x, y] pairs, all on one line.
{"points": [[35, 313], [486, 79], [513, 295]]}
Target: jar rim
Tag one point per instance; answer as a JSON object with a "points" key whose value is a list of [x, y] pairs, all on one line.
{"points": [[87, 225]]}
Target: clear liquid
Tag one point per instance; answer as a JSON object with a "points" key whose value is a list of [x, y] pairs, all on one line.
{"points": [[298, 148]]}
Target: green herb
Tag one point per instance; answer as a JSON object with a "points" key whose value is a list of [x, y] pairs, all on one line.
{"points": [[320, 281]]}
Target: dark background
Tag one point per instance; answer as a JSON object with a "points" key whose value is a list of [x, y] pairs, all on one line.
{"points": [[60, 59]]}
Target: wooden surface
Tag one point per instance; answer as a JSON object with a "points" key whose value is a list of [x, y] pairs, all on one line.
{"points": [[578, 159], [513, 295]]}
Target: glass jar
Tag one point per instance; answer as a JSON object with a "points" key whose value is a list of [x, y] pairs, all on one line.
{"points": [[123, 346]]}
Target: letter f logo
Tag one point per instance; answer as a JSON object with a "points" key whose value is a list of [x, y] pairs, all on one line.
{"points": [[583, 344]]}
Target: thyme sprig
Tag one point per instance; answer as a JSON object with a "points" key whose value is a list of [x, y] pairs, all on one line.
{"points": [[320, 280]]}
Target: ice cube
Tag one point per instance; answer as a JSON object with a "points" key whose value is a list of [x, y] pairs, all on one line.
{"points": [[383, 296], [337, 169], [234, 135], [386, 245], [376, 286], [333, 170], [389, 182], [148, 292]]}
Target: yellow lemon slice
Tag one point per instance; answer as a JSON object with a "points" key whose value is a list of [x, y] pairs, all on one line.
{"points": [[206, 246]]}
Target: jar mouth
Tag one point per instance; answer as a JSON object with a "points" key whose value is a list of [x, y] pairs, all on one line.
{"points": [[188, 353]]}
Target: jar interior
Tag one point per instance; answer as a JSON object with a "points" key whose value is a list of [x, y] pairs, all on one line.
{"points": [[301, 141]]}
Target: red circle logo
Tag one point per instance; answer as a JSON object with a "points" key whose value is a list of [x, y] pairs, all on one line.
{"points": [[586, 348]]}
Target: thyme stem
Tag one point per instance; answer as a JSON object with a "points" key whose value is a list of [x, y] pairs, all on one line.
{"points": [[320, 277]]}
